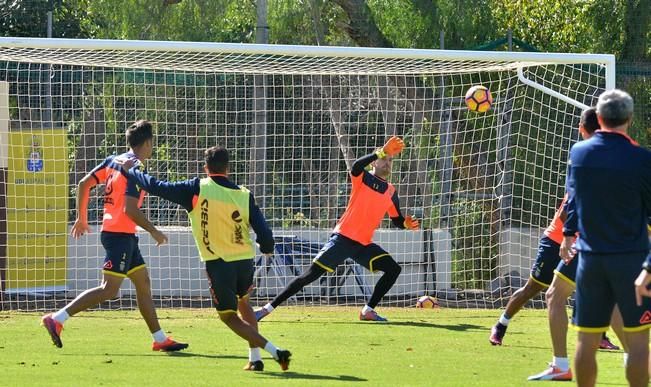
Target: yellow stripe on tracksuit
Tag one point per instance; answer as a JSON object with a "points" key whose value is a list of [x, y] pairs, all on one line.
{"points": [[538, 282], [589, 329], [370, 262], [564, 277], [324, 267]]}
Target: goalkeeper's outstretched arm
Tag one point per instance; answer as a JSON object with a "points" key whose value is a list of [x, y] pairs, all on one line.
{"points": [[393, 146], [404, 222]]}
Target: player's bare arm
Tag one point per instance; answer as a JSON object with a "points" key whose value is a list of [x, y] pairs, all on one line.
{"points": [[133, 212], [567, 252], [80, 227]]}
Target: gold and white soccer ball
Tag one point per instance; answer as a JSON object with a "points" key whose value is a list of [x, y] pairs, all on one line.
{"points": [[479, 99], [427, 302]]}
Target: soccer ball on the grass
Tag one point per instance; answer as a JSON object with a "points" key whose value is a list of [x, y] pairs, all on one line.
{"points": [[427, 302], [479, 99]]}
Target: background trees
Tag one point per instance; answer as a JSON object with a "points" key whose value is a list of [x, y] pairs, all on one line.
{"points": [[105, 101]]}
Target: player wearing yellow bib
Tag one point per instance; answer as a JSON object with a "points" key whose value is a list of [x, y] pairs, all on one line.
{"points": [[221, 213]]}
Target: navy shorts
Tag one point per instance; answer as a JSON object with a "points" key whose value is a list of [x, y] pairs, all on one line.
{"points": [[122, 253], [338, 248], [547, 260], [603, 280], [567, 272], [229, 281]]}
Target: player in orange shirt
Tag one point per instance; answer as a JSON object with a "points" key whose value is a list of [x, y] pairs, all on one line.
{"points": [[122, 201], [372, 197]]}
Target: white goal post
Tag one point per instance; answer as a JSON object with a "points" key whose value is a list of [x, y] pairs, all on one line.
{"points": [[485, 185]]}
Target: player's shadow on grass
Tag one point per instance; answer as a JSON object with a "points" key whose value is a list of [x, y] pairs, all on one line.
{"points": [[422, 324], [298, 375], [194, 354], [170, 354], [416, 324]]}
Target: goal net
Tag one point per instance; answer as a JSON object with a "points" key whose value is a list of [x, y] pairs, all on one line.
{"points": [[484, 185]]}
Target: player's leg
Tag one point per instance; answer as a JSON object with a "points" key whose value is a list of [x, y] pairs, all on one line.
{"points": [[329, 257], [617, 324], [541, 276], [517, 300], [139, 276], [595, 300], [585, 359], [623, 270], [223, 278], [161, 342], [53, 322], [113, 276], [637, 372], [375, 258], [107, 290], [556, 296], [307, 277], [255, 362]]}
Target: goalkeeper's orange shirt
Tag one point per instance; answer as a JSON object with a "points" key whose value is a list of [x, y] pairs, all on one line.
{"points": [[117, 188], [555, 229], [370, 200]]}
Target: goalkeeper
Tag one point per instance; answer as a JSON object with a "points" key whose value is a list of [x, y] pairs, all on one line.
{"points": [[371, 198], [220, 214]]}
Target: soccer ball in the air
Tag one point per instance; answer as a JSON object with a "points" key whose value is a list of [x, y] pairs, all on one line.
{"points": [[479, 99], [427, 302]]}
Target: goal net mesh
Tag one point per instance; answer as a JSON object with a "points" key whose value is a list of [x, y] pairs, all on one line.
{"points": [[484, 185]]}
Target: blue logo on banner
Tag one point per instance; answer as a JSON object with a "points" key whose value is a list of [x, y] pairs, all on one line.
{"points": [[35, 161], [35, 165]]}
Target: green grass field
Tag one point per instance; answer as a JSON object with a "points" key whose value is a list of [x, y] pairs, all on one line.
{"points": [[440, 347]]}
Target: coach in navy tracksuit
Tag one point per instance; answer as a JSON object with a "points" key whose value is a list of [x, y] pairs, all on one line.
{"points": [[609, 187]]}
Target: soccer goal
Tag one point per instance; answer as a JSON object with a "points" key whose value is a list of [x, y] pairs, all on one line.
{"points": [[485, 185]]}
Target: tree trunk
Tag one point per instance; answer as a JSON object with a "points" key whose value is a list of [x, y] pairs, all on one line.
{"points": [[93, 134], [636, 30], [362, 27], [257, 176], [315, 14]]}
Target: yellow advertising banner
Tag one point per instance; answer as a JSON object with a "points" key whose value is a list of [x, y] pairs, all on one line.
{"points": [[37, 210]]}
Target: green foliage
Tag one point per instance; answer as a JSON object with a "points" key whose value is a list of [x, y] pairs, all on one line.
{"points": [[303, 21], [635, 78], [418, 23], [295, 219], [29, 18], [559, 26], [297, 118], [401, 23], [468, 24], [189, 20], [474, 252]]}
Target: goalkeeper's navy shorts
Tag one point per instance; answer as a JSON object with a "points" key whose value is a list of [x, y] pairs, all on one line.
{"points": [[229, 281], [122, 253], [339, 247], [547, 259], [603, 280]]}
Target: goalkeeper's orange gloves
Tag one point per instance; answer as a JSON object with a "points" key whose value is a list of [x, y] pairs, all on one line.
{"points": [[411, 223], [394, 146]]}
